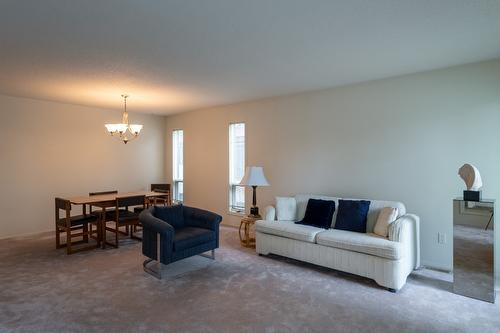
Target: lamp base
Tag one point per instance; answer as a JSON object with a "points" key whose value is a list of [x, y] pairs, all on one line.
{"points": [[254, 211]]}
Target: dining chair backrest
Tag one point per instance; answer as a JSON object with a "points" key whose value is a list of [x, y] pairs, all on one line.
{"points": [[91, 194], [160, 187], [136, 200], [63, 204], [102, 193]]}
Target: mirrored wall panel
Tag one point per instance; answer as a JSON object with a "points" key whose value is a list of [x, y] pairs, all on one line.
{"points": [[473, 249]]}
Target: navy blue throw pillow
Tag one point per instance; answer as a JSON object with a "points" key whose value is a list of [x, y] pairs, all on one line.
{"points": [[319, 213], [173, 215], [352, 215]]}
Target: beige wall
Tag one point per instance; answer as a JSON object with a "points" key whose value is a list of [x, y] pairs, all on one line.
{"points": [[397, 139], [51, 149]]}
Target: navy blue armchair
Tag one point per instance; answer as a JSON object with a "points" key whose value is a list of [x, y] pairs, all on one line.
{"points": [[177, 232]]}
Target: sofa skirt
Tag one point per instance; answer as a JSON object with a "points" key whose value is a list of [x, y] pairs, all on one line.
{"points": [[387, 273]]}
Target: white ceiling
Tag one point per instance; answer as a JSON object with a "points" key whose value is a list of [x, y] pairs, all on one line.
{"points": [[173, 56]]}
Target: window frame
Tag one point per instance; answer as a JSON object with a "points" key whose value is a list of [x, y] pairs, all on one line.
{"points": [[233, 186], [177, 181]]}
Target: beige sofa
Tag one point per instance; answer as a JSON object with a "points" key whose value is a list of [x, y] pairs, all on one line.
{"points": [[388, 261]]}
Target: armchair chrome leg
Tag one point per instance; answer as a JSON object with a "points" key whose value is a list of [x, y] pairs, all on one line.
{"points": [[156, 273], [149, 270], [209, 256]]}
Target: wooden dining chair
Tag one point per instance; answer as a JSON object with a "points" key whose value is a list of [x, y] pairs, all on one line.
{"points": [[92, 194], [98, 213], [74, 227], [126, 218], [166, 199]]}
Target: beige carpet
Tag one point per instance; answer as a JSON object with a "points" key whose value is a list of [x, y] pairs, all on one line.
{"points": [[43, 290]]}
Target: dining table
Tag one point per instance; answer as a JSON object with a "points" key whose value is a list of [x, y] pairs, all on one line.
{"points": [[104, 201]]}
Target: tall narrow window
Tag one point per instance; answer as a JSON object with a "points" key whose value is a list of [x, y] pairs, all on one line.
{"points": [[236, 167], [178, 165]]}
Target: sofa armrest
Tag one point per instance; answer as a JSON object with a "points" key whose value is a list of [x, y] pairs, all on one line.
{"points": [[406, 230], [270, 213], [152, 227]]}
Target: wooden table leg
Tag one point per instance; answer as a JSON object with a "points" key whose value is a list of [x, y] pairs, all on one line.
{"points": [[247, 234], [239, 232], [103, 228], [98, 231]]}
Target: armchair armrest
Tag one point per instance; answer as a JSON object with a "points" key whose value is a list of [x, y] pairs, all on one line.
{"points": [[200, 218], [270, 213], [406, 230], [152, 227], [154, 224]]}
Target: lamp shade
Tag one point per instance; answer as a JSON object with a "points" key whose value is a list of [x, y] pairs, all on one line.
{"points": [[254, 176]]}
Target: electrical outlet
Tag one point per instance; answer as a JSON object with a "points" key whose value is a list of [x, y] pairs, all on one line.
{"points": [[441, 238]]}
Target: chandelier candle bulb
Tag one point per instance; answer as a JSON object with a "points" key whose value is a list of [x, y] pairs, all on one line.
{"points": [[135, 129]]}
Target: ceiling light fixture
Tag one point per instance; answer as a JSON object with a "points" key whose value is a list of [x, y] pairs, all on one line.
{"points": [[119, 131]]}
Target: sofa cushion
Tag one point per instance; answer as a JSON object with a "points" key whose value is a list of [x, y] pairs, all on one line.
{"points": [[359, 242], [303, 199], [352, 215], [319, 213], [375, 207], [188, 237], [386, 216], [286, 208], [173, 215], [288, 229]]}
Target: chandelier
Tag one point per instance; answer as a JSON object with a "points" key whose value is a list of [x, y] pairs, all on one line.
{"points": [[124, 131]]}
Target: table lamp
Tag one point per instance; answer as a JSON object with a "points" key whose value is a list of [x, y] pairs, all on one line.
{"points": [[254, 176]]}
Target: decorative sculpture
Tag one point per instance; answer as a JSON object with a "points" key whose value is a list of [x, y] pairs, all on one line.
{"points": [[472, 179], [471, 176]]}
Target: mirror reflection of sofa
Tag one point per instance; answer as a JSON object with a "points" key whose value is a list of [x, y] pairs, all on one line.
{"points": [[387, 260]]}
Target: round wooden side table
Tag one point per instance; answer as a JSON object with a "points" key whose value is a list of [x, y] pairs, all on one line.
{"points": [[246, 223]]}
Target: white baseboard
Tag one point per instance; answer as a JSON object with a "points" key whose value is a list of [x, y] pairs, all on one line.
{"points": [[229, 225], [31, 234], [436, 266]]}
